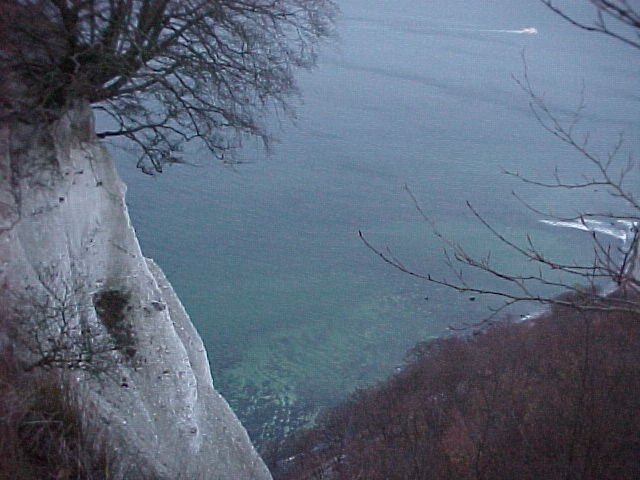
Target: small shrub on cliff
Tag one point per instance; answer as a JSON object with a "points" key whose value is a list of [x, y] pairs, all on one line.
{"points": [[53, 321], [42, 436]]}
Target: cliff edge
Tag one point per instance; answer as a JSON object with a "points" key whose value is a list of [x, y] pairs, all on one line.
{"points": [[84, 298]]}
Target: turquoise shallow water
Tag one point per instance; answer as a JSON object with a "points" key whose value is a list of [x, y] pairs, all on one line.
{"points": [[295, 311]]}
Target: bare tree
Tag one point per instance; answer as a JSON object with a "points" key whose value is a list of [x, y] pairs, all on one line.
{"points": [[582, 284], [53, 322], [165, 72]]}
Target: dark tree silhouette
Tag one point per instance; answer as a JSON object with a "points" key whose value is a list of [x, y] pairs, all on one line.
{"points": [[165, 72]]}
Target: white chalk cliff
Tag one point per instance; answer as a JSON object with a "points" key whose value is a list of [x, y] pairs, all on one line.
{"points": [[65, 235]]}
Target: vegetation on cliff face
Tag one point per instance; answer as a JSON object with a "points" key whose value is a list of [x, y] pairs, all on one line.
{"points": [[42, 432], [556, 397]]}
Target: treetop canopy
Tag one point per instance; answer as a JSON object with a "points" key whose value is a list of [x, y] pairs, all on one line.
{"points": [[164, 71]]}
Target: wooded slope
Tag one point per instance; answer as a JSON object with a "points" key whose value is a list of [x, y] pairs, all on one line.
{"points": [[557, 397]]}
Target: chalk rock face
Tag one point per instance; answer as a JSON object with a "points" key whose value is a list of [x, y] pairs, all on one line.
{"points": [[71, 266]]}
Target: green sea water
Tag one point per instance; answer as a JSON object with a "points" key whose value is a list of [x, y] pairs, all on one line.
{"points": [[295, 311]]}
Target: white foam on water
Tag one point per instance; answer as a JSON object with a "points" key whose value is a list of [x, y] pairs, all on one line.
{"points": [[620, 229]]}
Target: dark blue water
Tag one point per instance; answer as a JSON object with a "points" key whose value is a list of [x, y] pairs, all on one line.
{"points": [[294, 309]]}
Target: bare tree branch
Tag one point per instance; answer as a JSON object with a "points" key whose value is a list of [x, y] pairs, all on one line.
{"points": [[622, 14], [168, 71], [617, 265]]}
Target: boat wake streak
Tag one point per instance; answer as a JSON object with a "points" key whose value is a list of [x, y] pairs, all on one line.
{"points": [[621, 229], [526, 30]]}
